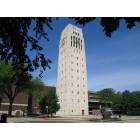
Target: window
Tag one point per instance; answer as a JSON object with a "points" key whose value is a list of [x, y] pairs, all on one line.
{"points": [[63, 42], [72, 91], [78, 92], [77, 70], [72, 84], [72, 110], [79, 42], [77, 64], [76, 42], [77, 58], [78, 85], [73, 41], [78, 100]]}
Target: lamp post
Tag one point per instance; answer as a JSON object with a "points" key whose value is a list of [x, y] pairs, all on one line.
{"points": [[46, 109]]}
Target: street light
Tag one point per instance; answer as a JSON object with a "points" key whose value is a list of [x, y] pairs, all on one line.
{"points": [[47, 109]]}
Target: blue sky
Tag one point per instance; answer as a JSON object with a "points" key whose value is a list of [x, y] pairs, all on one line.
{"points": [[111, 62]]}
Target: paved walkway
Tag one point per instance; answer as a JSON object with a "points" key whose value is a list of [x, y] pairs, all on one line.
{"points": [[71, 119], [67, 119]]}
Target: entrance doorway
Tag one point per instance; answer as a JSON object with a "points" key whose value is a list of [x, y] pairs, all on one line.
{"points": [[83, 112]]}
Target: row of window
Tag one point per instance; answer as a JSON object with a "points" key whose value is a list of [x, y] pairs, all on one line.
{"points": [[72, 92], [75, 33], [76, 42], [72, 71], [77, 64], [67, 56], [77, 100], [77, 92]]}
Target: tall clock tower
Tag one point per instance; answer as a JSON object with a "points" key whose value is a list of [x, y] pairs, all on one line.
{"points": [[72, 73]]}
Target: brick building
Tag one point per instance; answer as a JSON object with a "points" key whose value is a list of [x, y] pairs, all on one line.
{"points": [[20, 104]]}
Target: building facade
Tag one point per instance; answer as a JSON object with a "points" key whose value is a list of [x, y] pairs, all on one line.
{"points": [[72, 73], [96, 103], [21, 103]]}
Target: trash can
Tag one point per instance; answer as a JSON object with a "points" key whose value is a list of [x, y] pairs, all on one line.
{"points": [[3, 118]]}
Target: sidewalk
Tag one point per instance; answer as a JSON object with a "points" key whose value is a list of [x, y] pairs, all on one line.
{"points": [[72, 119]]}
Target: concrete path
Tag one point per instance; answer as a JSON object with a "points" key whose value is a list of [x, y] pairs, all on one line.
{"points": [[72, 119]]}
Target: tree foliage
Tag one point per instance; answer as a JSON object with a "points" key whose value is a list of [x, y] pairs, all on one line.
{"points": [[15, 39], [109, 24], [51, 101], [19, 35], [12, 83], [34, 89], [106, 94], [43, 104], [127, 102], [131, 102]]}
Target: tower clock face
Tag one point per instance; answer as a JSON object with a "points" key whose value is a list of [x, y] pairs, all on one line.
{"points": [[63, 42]]}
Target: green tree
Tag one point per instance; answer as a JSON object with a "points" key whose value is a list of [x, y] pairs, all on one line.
{"points": [[131, 102], [126, 101], [50, 100], [43, 104], [109, 95], [116, 101], [12, 83], [106, 94], [34, 89]]}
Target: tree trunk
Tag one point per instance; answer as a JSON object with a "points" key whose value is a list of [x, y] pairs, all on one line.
{"points": [[10, 107], [29, 108], [0, 101]]}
